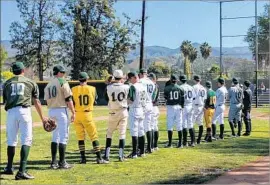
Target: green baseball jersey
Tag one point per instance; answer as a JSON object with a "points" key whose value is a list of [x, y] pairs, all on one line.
{"points": [[18, 91], [211, 99], [174, 95]]}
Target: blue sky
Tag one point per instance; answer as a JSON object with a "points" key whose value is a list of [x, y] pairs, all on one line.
{"points": [[171, 22]]}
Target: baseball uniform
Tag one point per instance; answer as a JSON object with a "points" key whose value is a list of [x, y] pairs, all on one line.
{"points": [[198, 105], [57, 93], [117, 94], [137, 95], [221, 94], [150, 87], [154, 118], [247, 100], [174, 96], [188, 113], [209, 112], [18, 93], [235, 111]]}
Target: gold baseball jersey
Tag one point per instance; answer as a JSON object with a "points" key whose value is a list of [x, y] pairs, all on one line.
{"points": [[56, 93], [84, 97]]}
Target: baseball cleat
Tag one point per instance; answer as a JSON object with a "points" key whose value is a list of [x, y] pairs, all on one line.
{"points": [[132, 156], [246, 134], [54, 166], [156, 149], [121, 159], [23, 176], [185, 144], [168, 146], [198, 141], [8, 171], [83, 161], [64, 165], [102, 161], [180, 146], [149, 151], [220, 138], [142, 155], [192, 144], [213, 138], [233, 135]]}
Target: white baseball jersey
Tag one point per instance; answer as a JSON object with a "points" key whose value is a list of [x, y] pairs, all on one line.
{"points": [[118, 94], [221, 94], [199, 95], [150, 87], [189, 94], [137, 94]]}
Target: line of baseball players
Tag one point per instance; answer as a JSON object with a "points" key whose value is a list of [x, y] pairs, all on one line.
{"points": [[188, 105], [135, 100]]}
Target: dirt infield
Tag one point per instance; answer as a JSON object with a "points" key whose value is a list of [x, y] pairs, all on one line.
{"points": [[252, 173]]}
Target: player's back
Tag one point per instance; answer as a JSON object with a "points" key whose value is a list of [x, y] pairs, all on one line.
{"points": [[18, 91], [84, 97], [150, 86], [199, 94], [56, 91], [137, 93], [221, 94], [117, 94], [211, 99], [172, 94], [188, 94], [235, 95]]}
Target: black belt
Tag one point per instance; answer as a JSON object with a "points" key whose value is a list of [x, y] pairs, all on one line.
{"points": [[24, 106]]}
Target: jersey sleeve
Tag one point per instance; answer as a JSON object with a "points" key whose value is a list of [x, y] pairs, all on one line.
{"points": [[67, 91], [35, 91], [166, 93], [132, 93], [182, 97], [156, 94]]}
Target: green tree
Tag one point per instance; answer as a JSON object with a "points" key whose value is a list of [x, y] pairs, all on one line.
{"points": [[186, 49], [93, 38], [193, 56], [34, 38], [205, 50], [263, 37], [4, 55], [159, 68]]}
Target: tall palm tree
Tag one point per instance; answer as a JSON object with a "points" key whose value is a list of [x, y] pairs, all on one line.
{"points": [[186, 48], [205, 50], [193, 56]]}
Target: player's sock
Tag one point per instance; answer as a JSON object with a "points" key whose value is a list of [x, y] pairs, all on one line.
{"points": [[121, 147], [192, 135], [180, 138], [82, 148], [134, 145], [141, 144], [214, 129], [10, 154], [170, 134], [53, 151], [108, 147], [200, 133], [221, 131], [62, 152], [24, 155], [96, 148], [156, 135], [239, 128], [149, 140], [184, 136], [232, 128], [152, 140]]}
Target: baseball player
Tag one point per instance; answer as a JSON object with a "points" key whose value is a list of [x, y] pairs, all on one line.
{"points": [[221, 94], [150, 86], [17, 93], [198, 105], [137, 102], [58, 95], [235, 111], [187, 112], [209, 109], [84, 97], [155, 113], [174, 96], [247, 107], [117, 94]]}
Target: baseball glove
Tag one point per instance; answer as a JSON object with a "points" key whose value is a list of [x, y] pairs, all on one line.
{"points": [[49, 125]]}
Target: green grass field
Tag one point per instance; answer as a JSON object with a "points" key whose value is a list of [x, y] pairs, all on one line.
{"points": [[190, 165]]}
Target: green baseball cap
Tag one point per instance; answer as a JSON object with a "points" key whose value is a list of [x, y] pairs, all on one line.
{"points": [[132, 74], [143, 70], [17, 66], [235, 81], [59, 68], [183, 78], [83, 76], [247, 83], [221, 80], [174, 78], [152, 76], [197, 77], [208, 84]]}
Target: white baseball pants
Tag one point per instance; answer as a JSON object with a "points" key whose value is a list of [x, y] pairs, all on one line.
{"points": [[187, 117], [136, 117], [154, 120], [174, 117], [198, 115], [219, 115], [148, 117]]}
